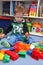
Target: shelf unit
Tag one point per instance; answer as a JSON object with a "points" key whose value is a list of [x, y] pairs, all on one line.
{"points": [[36, 34], [31, 17]]}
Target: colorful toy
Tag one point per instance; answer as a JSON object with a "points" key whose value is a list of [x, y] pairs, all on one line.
{"points": [[36, 55], [12, 49], [41, 56], [22, 54], [37, 49], [29, 25], [33, 29], [29, 52], [36, 27], [2, 51], [5, 43], [13, 55], [33, 9], [1, 56], [6, 58], [21, 46], [24, 38], [32, 46]]}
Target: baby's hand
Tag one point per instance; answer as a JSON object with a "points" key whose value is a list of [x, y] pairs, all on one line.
{"points": [[26, 34]]}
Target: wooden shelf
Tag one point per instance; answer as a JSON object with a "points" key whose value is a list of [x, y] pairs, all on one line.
{"points": [[36, 34], [23, 16]]}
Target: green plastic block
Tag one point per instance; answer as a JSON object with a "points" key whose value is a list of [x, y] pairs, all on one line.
{"points": [[24, 38], [37, 44], [22, 54], [5, 44], [6, 58], [41, 47]]}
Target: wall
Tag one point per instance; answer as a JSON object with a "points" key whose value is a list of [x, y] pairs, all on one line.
{"points": [[0, 7]]}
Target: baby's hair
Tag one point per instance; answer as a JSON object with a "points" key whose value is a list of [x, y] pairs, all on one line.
{"points": [[19, 9]]}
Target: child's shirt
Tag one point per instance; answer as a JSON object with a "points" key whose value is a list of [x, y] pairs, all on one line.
{"points": [[18, 28]]}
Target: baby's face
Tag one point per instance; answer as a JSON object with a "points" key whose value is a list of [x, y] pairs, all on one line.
{"points": [[19, 17]]}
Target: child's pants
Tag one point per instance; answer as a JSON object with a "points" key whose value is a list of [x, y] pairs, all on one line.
{"points": [[18, 37]]}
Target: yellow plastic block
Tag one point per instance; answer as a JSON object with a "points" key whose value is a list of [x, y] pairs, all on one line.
{"points": [[1, 56]]}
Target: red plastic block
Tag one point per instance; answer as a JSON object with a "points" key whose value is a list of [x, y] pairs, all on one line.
{"points": [[16, 47], [36, 55], [13, 55], [42, 55]]}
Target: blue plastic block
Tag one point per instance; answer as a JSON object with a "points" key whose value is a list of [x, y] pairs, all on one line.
{"points": [[12, 40], [11, 49], [29, 52]]}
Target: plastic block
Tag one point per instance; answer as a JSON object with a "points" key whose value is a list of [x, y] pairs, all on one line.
{"points": [[5, 43], [6, 58], [2, 51], [36, 55], [29, 52], [1, 56], [37, 49], [11, 49], [23, 50], [32, 46], [41, 47], [24, 38], [13, 55], [16, 48], [22, 54], [21, 46], [41, 56]]}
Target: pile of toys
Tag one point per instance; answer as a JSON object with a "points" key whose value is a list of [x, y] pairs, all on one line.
{"points": [[20, 49]]}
